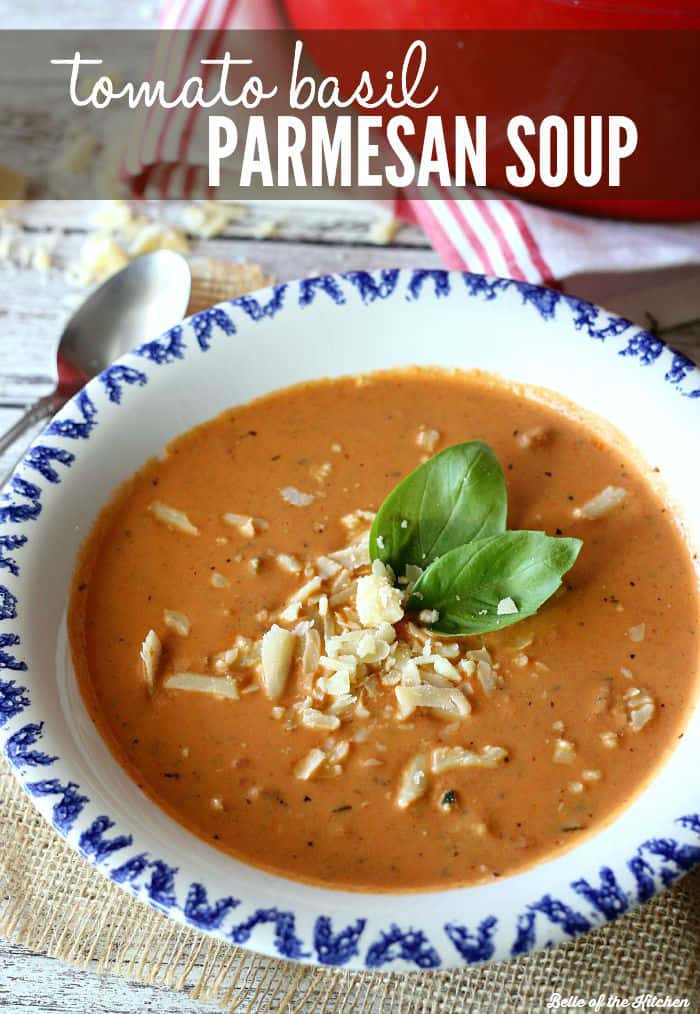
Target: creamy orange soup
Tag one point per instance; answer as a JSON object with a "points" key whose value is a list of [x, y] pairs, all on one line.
{"points": [[567, 713]]}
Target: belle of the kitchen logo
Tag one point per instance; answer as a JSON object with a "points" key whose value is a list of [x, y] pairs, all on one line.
{"points": [[376, 133]]}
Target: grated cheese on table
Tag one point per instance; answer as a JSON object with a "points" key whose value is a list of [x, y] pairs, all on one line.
{"points": [[80, 153], [289, 563], [535, 437], [267, 229], [152, 236], [310, 764]]}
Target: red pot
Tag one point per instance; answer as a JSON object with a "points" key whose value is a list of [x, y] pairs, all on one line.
{"points": [[426, 15]]}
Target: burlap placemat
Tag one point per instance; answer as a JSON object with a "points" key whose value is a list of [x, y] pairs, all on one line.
{"points": [[54, 902]]}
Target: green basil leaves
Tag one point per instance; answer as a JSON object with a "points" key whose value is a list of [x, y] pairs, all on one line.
{"points": [[518, 570], [457, 496], [448, 518]]}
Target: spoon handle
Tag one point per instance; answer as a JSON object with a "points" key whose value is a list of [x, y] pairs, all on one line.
{"points": [[41, 409]]}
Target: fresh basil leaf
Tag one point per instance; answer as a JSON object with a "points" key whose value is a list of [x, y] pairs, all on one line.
{"points": [[457, 496], [466, 585]]}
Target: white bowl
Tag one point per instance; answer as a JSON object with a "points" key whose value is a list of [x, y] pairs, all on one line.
{"points": [[325, 327]]}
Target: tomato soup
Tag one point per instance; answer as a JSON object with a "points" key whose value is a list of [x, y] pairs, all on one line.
{"points": [[268, 686]]}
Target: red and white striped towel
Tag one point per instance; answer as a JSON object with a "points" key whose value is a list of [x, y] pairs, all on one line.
{"points": [[497, 235]]}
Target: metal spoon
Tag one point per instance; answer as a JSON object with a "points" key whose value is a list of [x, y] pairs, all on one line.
{"points": [[143, 299]]}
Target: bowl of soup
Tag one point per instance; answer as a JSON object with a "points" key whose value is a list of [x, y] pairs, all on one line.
{"points": [[355, 621]]}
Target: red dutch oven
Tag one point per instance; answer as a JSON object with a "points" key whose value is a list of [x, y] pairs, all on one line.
{"points": [[427, 15]]}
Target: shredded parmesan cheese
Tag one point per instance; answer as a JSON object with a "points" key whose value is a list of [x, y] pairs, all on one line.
{"points": [[177, 622], [326, 567], [13, 185], [564, 752], [446, 758], [266, 229], [277, 651], [295, 497], [175, 520], [210, 218], [152, 236], [112, 216], [609, 739], [336, 685], [311, 653], [383, 230], [414, 781], [535, 437], [377, 601], [151, 651], [506, 607], [80, 153], [226, 659], [449, 701], [307, 590], [288, 563], [290, 613], [100, 257], [340, 638], [591, 775], [246, 525], [640, 708], [314, 719], [310, 764], [216, 686], [353, 557], [357, 520], [601, 504], [427, 439]]}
